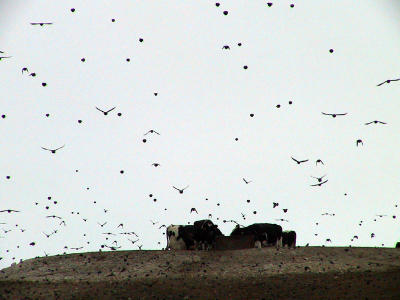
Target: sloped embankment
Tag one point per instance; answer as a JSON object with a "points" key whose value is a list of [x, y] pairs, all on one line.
{"points": [[303, 273]]}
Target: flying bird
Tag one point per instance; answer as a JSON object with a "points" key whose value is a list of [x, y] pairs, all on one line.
{"points": [[226, 47], [319, 161], [25, 69], [193, 209], [154, 223], [102, 225], [299, 161], [275, 204], [105, 112], [1, 57], [247, 182], [180, 190], [334, 115], [320, 183], [359, 142], [283, 220], [41, 23], [53, 150], [151, 131], [375, 122], [319, 178], [162, 226], [155, 164], [133, 242], [387, 81], [53, 216], [9, 210], [74, 248], [121, 225]]}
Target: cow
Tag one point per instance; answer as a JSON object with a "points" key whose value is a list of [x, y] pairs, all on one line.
{"points": [[206, 233], [189, 237], [289, 239], [398, 245], [265, 234]]}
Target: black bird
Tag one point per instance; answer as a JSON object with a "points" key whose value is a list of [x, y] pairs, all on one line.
{"points": [[334, 115], [247, 182], [275, 204], [154, 223], [180, 190], [53, 216], [320, 183], [193, 209], [133, 242], [151, 131], [299, 161], [226, 47], [76, 248], [140, 247], [121, 225], [1, 57], [9, 210], [359, 142], [102, 225], [283, 220], [327, 214], [162, 226], [24, 70], [319, 178], [285, 210], [155, 164], [380, 216], [319, 161], [41, 23], [47, 235], [105, 112], [375, 122], [53, 150], [62, 222], [388, 81]]}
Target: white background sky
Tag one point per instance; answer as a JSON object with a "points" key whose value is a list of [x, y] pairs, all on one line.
{"points": [[204, 101]]}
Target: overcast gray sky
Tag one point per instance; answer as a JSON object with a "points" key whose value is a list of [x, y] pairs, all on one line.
{"points": [[205, 98]]}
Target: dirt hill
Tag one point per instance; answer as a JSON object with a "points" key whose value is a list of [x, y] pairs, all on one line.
{"points": [[302, 273]]}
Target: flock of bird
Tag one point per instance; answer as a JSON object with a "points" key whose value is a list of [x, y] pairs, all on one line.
{"points": [[112, 232]]}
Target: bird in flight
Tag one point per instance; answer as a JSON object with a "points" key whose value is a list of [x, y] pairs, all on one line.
{"points": [[25, 69], [388, 81], [154, 223], [299, 161], [53, 216], [102, 225], [375, 122], [334, 115], [53, 150], [132, 241], [180, 190], [193, 209], [105, 112], [380, 216], [155, 164], [275, 204], [320, 183], [226, 47], [41, 23], [359, 142], [151, 131], [319, 178], [162, 226], [9, 210], [283, 220], [1, 57], [73, 248], [319, 161], [247, 182]]}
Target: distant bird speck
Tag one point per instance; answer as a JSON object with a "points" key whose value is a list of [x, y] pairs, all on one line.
{"points": [[388, 81], [225, 12], [359, 142], [334, 115]]}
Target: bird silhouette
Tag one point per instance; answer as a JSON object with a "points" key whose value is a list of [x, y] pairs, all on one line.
{"points": [[41, 23], [151, 131], [320, 183], [387, 81], [1, 57], [359, 142], [318, 161], [76, 248], [299, 161], [9, 210], [53, 150], [275, 204], [334, 115], [25, 69], [132, 241], [247, 182], [162, 226], [105, 112], [155, 164], [319, 178], [226, 47], [282, 220], [154, 223], [375, 122], [53, 216], [102, 225], [180, 190], [193, 210], [120, 225]]}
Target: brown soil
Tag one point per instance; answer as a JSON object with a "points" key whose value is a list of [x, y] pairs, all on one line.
{"points": [[303, 273]]}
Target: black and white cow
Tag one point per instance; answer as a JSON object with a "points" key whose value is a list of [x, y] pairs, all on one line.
{"points": [[201, 235], [289, 239], [265, 234], [398, 245]]}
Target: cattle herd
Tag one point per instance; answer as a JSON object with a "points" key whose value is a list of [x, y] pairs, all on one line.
{"points": [[204, 235]]}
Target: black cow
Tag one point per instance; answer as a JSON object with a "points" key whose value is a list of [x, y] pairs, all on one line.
{"points": [[398, 245], [289, 239], [265, 233], [206, 233]]}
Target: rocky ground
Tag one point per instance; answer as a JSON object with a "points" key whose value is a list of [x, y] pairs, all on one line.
{"points": [[301, 273]]}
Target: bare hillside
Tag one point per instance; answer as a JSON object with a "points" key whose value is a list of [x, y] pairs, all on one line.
{"points": [[303, 273]]}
